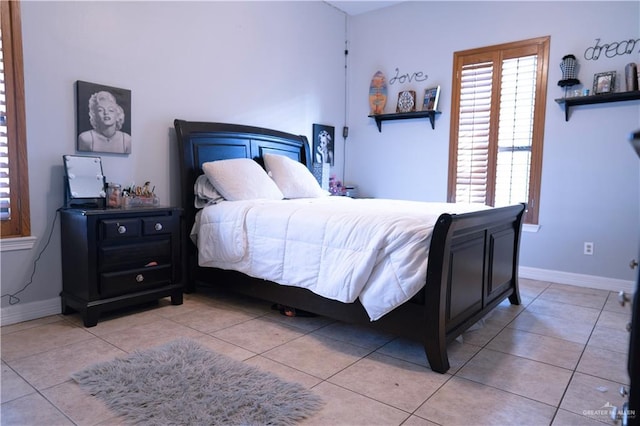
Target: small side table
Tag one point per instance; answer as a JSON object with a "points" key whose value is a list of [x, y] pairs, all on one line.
{"points": [[114, 258]]}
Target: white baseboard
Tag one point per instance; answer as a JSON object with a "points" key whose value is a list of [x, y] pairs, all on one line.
{"points": [[20, 312], [578, 280]]}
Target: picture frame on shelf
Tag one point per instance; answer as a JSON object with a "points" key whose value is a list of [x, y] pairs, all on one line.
{"points": [[604, 82], [431, 98], [406, 101]]}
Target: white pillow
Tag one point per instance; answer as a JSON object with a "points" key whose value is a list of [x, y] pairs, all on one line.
{"points": [[241, 179], [293, 178], [205, 193]]}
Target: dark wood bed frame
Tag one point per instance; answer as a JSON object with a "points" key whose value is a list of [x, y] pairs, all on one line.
{"points": [[473, 257]]}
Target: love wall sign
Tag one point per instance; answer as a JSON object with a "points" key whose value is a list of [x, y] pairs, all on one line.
{"points": [[408, 77]]}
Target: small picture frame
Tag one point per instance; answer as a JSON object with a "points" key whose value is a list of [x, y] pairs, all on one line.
{"points": [[323, 144], [604, 82], [406, 101], [431, 97]]}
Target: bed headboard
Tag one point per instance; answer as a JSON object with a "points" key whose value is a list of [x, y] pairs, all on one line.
{"points": [[200, 142]]}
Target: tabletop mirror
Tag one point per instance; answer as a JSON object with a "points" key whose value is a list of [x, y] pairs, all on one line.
{"points": [[84, 181]]}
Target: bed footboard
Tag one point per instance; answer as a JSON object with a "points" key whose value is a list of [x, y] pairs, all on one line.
{"points": [[473, 267]]}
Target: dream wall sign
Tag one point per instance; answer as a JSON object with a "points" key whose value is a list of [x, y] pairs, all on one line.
{"points": [[611, 50]]}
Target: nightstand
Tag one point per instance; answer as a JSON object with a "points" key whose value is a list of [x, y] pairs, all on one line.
{"points": [[114, 258]]}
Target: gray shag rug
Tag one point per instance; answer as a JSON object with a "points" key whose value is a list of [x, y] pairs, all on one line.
{"points": [[182, 383]]}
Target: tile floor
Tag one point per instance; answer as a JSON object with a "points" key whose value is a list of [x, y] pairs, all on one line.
{"points": [[561, 358]]}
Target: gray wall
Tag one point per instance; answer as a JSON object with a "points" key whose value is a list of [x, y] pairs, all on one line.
{"points": [[590, 180]]}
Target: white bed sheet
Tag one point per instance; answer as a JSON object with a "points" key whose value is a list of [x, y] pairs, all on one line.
{"points": [[340, 248]]}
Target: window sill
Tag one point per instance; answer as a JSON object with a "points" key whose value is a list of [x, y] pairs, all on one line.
{"points": [[14, 244], [528, 227]]}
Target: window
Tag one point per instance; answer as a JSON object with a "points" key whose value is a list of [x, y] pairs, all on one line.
{"points": [[14, 185], [498, 107]]}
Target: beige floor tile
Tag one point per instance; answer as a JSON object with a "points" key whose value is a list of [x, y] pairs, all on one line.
{"points": [[541, 382], [32, 410], [550, 350], [604, 363], [531, 357], [463, 402], [209, 319], [42, 338], [591, 397], [567, 418], [115, 322], [147, 335], [503, 314], [573, 330], [317, 355], [244, 303], [615, 339], [284, 372], [307, 324], [82, 408], [356, 335], [411, 351], [480, 333], [37, 369], [559, 309], [224, 348], [346, 408], [418, 421], [613, 304], [13, 386], [395, 382], [614, 319], [30, 324], [408, 350], [259, 334], [532, 288], [574, 295]]}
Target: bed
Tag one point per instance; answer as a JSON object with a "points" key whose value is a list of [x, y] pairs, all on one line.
{"points": [[472, 256]]}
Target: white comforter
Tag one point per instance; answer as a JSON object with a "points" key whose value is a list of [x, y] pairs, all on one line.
{"points": [[340, 248]]}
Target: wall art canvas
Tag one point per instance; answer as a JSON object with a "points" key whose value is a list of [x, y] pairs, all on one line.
{"points": [[323, 137], [103, 118]]}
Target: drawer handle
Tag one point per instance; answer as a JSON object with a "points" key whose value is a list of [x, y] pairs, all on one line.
{"points": [[139, 278], [158, 226], [122, 229]]}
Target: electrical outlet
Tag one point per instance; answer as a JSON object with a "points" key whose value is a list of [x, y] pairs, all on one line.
{"points": [[588, 248]]}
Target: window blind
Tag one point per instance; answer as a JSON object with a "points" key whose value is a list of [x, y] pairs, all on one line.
{"points": [[5, 201], [473, 133], [515, 130]]}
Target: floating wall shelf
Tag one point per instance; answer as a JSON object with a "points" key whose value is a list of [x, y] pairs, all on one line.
{"points": [[405, 115], [596, 99]]}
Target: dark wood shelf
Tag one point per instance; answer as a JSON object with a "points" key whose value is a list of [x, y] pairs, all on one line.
{"points": [[596, 99], [405, 115]]}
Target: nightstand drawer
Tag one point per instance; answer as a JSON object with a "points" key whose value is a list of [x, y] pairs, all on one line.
{"points": [[157, 225], [134, 255], [123, 282], [120, 228]]}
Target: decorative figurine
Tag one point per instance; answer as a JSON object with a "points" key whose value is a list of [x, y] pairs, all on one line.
{"points": [[569, 67]]}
